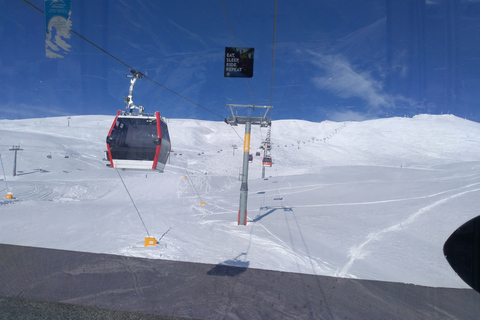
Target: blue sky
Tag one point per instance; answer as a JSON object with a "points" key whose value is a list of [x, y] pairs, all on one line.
{"points": [[331, 60]]}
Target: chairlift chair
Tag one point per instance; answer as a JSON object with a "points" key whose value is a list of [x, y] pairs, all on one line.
{"points": [[267, 161]]}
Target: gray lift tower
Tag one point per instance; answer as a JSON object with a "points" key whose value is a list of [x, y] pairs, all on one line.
{"points": [[235, 120], [15, 148]]}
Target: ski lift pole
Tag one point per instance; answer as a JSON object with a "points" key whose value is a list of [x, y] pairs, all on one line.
{"points": [[15, 148], [234, 120], [242, 212], [3, 171]]}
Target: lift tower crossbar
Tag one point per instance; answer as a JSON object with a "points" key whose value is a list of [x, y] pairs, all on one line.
{"points": [[235, 120]]}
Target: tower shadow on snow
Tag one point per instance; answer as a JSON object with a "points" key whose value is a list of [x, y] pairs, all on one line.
{"points": [[270, 211], [22, 173], [230, 268]]}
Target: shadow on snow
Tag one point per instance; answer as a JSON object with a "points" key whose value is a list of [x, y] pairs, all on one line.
{"points": [[270, 210], [230, 268]]}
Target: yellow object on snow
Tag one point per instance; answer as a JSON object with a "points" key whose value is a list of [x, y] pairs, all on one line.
{"points": [[150, 241], [9, 195]]}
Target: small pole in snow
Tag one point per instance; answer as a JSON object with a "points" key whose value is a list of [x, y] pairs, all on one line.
{"points": [[3, 170], [15, 148]]}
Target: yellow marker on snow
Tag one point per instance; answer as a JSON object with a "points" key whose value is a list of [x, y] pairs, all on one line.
{"points": [[202, 203], [150, 241], [9, 195]]}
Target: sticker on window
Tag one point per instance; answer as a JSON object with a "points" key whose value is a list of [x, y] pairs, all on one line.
{"points": [[238, 62], [58, 24]]}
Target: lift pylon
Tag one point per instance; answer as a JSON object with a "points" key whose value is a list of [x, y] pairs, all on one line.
{"points": [[234, 120], [15, 148]]}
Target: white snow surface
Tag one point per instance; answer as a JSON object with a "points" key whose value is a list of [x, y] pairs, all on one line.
{"points": [[373, 200]]}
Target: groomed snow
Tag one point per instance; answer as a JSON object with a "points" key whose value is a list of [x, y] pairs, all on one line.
{"points": [[372, 200]]}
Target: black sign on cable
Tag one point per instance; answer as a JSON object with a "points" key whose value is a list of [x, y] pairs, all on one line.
{"points": [[238, 62]]}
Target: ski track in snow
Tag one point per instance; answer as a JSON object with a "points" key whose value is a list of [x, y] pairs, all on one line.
{"points": [[381, 201], [357, 252], [306, 259]]}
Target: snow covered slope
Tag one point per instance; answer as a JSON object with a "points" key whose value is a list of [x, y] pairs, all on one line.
{"points": [[372, 200]]}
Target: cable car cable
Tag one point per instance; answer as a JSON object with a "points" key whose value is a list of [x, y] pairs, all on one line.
{"points": [[128, 192], [185, 98], [193, 185], [225, 12], [132, 69], [273, 50], [237, 133], [229, 23]]}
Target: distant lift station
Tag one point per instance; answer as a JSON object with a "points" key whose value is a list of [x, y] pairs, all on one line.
{"points": [[234, 120], [138, 141]]}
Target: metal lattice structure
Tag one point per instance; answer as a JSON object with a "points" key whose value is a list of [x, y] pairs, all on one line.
{"points": [[263, 121]]}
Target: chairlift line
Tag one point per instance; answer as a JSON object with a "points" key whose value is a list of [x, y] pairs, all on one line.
{"points": [[130, 68], [273, 50], [229, 23], [159, 156], [133, 203]]}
